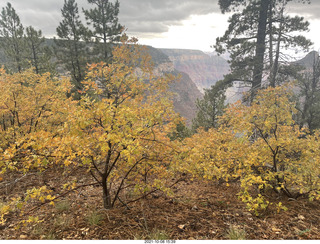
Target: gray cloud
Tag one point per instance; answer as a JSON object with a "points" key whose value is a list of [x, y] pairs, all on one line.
{"points": [[156, 16], [141, 17], [43, 15]]}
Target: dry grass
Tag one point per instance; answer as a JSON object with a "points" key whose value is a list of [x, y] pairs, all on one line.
{"points": [[235, 233]]}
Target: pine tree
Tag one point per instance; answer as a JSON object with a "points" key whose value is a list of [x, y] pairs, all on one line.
{"points": [[70, 47], [282, 34], [257, 34], [11, 38], [38, 54], [309, 94], [105, 27], [210, 107]]}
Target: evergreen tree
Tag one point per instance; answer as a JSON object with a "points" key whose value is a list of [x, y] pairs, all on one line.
{"points": [[282, 34], [181, 132], [309, 95], [38, 54], [70, 47], [105, 27], [11, 38], [210, 107], [256, 36]]}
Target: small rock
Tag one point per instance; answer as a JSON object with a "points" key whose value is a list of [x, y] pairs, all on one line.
{"points": [[23, 237], [181, 227], [276, 230]]}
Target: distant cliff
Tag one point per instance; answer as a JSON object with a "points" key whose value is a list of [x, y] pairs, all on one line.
{"points": [[203, 69], [184, 89], [309, 60], [186, 94]]}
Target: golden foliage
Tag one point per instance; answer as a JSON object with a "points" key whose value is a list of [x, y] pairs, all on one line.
{"points": [[32, 109], [262, 147], [120, 131], [117, 132]]}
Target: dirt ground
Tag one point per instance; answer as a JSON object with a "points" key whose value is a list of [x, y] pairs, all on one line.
{"points": [[197, 210]]}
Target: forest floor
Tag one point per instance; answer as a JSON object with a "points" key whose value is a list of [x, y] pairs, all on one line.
{"points": [[198, 210]]}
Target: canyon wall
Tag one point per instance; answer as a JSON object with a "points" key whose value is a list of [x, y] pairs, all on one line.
{"points": [[185, 92], [203, 69]]}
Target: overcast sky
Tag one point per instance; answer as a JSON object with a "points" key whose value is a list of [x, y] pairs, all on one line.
{"points": [[190, 24]]}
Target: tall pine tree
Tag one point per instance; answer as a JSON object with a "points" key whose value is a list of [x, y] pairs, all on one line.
{"points": [[11, 38], [71, 46], [103, 19], [258, 32], [38, 53]]}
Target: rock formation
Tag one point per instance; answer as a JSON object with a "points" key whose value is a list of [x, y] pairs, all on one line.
{"points": [[203, 69]]}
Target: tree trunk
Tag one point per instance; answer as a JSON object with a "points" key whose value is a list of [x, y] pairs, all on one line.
{"points": [[106, 197], [260, 47], [270, 39], [275, 66], [35, 58]]}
